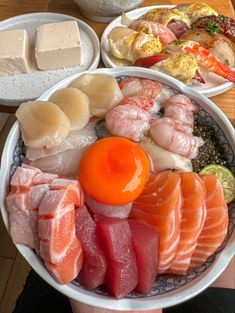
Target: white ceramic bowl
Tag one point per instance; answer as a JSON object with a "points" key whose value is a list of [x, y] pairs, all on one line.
{"points": [[105, 10], [168, 290]]}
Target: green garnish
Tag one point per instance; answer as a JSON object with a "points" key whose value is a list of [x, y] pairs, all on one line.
{"points": [[222, 18], [211, 27]]}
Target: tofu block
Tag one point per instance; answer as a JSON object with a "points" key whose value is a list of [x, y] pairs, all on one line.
{"points": [[14, 52], [58, 45]]}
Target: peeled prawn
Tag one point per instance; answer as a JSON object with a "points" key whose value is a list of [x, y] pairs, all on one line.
{"points": [[132, 86], [158, 30], [170, 134], [141, 102], [179, 107], [128, 121], [161, 159], [203, 56]]}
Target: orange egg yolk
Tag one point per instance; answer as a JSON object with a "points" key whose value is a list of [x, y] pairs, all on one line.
{"points": [[114, 170]]}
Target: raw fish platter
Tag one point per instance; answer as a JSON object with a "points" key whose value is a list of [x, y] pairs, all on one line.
{"points": [[191, 42], [121, 186]]}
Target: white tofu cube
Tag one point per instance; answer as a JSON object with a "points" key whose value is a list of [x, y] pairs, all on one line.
{"points": [[58, 45], [14, 52]]}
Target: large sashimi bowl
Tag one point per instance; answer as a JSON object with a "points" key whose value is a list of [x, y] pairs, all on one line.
{"points": [[167, 290]]}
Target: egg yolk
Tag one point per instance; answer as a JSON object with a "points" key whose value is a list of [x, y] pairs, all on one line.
{"points": [[114, 170]]}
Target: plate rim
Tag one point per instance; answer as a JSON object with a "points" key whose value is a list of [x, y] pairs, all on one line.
{"points": [[208, 92], [84, 296], [86, 27]]}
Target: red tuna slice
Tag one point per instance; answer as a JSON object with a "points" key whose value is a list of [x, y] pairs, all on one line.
{"points": [[55, 202], [68, 269], [69, 184], [56, 235], [35, 196], [16, 202], [44, 178], [145, 243], [94, 267], [23, 228], [23, 178], [122, 274]]}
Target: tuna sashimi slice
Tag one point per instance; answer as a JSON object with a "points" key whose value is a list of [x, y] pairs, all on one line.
{"points": [[23, 178], [68, 269], [122, 273], [16, 202], [56, 202], [56, 235], [193, 218], [159, 205], [44, 178], [94, 266], [35, 196], [216, 223], [145, 243], [23, 228]]}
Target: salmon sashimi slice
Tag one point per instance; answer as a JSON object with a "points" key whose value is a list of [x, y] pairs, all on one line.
{"points": [[216, 223], [23, 179], [94, 267], [56, 234], [72, 185], [159, 205], [44, 178], [35, 196], [57, 202], [122, 273], [193, 218], [145, 243], [68, 269]]}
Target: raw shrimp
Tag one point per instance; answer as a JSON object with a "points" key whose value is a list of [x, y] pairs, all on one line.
{"points": [[141, 102], [179, 107], [203, 56], [128, 121], [170, 135], [132, 86], [158, 30]]}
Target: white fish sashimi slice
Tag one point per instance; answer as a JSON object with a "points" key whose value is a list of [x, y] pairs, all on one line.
{"points": [[108, 210], [162, 159], [63, 164], [76, 139]]}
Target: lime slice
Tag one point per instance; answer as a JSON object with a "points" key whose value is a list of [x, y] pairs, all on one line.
{"points": [[225, 176]]}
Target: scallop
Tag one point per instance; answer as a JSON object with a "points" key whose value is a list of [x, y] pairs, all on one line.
{"points": [[42, 123], [75, 104], [102, 90]]}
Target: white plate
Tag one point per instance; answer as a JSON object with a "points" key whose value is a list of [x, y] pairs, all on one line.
{"points": [[214, 85], [187, 286], [16, 89]]}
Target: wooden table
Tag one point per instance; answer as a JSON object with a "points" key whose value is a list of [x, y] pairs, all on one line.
{"points": [[8, 8]]}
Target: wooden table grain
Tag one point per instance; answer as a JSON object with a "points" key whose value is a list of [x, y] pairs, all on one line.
{"points": [[9, 8]]}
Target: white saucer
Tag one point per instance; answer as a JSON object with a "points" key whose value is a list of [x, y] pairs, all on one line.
{"points": [[214, 85], [16, 89]]}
